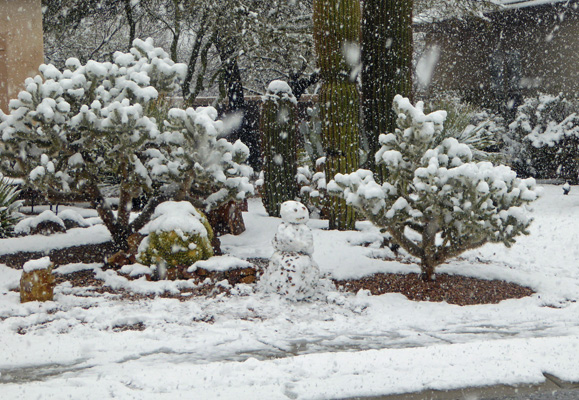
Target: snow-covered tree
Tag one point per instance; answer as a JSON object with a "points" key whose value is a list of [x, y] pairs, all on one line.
{"points": [[71, 131], [435, 202]]}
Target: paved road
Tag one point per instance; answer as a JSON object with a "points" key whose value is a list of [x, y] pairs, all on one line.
{"points": [[560, 394], [552, 389]]}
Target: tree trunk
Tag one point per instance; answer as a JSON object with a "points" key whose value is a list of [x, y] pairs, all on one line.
{"points": [[131, 22], [234, 86], [337, 25], [429, 259], [386, 65], [427, 272]]}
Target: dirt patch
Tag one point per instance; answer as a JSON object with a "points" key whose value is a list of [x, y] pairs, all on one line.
{"points": [[453, 289]]}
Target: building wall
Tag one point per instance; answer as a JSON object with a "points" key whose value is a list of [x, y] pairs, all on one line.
{"points": [[536, 46], [21, 45]]}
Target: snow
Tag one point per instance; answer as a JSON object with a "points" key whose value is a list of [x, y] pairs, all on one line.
{"points": [[178, 216], [34, 265], [526, 3], [257, 346], [135, 270], [279, 90], [220, 264]]}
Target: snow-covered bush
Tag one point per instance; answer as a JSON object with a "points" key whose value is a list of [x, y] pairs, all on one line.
{"points": [[69, 131], [8, 208], [543, 140], [178, 236], [436, 202]]}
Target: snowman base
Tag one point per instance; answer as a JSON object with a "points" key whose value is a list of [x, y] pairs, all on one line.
{"points": [[292, 275]]}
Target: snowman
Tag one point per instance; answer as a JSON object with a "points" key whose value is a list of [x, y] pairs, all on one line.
{"points": [[292, 272]]}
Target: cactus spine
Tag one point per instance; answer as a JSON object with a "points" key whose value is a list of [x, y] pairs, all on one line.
{"points": [[279, 147], [337, 26]]}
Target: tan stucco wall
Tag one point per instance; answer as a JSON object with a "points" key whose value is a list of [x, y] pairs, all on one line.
{"points": [[21, 45]]}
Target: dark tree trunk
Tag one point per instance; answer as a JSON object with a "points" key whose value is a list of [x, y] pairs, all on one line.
{"points": [[131, 22], [386, 65], [299, 84], [234, 87]]}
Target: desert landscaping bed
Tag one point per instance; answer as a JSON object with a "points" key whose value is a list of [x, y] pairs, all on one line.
{"points": [[453, 289]]}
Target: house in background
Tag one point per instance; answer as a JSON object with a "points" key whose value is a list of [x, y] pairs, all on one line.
{"points": [[21, 45], [523, 47]]}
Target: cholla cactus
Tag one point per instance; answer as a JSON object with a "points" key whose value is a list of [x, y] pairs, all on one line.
{"points": [[207, 169], [436, 203], [68, 132]]}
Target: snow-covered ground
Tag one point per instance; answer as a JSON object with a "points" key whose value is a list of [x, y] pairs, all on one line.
{"points": [[255, 346]]}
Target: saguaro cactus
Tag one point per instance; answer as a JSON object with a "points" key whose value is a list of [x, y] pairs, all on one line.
{"points": [[336, 32], [386, 65], [279, 146]]}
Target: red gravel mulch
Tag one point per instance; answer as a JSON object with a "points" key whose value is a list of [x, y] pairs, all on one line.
{"points": [[453, 289]]}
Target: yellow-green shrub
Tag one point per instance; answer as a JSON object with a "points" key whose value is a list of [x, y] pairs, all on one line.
{"points": [[179, 236]]}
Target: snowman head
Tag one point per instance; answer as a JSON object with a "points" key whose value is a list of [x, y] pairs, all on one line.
{"points": [[294, 212]]}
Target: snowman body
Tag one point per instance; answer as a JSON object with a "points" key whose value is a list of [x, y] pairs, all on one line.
{"points": [[291, 271]]}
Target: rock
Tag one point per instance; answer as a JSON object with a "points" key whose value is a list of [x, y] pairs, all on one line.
{"points": [[234, 276], [37, 282], [129, 257], [134, 241], [121, 258], [47, 228]]}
